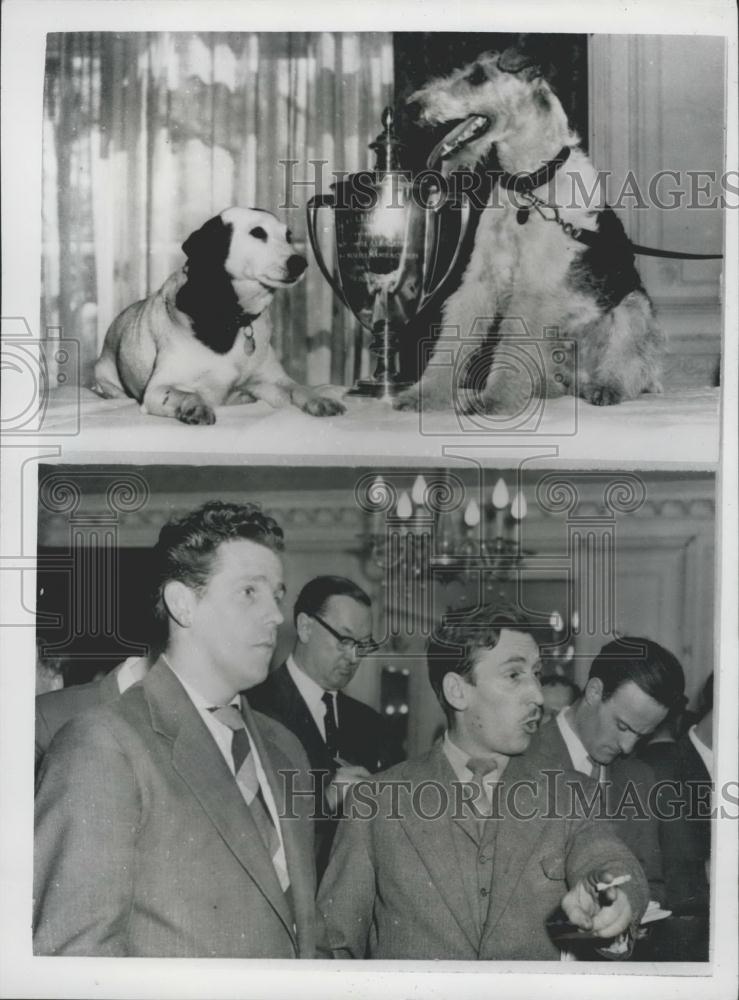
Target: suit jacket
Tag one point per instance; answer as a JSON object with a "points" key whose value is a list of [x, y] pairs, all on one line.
{"points": [[55, 708], [626, 777], [393, 888], [685, 840], [363, 736], [363, 739], [145, 846]]}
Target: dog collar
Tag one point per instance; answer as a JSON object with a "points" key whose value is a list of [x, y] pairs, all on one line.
{"points": [[523, 183], [248, 332]]}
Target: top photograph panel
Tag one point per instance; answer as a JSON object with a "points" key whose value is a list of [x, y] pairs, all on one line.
{"points": [[339, 246]]}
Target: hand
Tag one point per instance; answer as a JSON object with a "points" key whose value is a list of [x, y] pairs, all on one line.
{"points": [[345, 776], [606, 913]]}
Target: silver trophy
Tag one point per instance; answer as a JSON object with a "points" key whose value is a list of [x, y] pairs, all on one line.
{"points": [[397, 242]]}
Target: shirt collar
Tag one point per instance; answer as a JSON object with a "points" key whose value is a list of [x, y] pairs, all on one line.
{"points": [[576, 748], [704, 752], [458, 760], [311, 692], [195, 696]]}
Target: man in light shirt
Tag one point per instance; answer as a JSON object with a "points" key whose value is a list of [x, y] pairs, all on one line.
{"points": [[162, 825], [633, 683], [344, 739], [460, 854]]}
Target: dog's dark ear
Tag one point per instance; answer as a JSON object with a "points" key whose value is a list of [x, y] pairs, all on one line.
{"points": [[516, 60], [210, 243]]}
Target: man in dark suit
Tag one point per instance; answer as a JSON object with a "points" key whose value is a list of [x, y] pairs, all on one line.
{"points": [[55, 708], [684, 770], [633, 683], [163, 827], [343, 738], [465, 852]]}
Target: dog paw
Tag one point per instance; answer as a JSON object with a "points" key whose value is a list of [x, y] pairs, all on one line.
{"points": [[242, 396], [194, 411], [408, 400], [603, 395], [323, 406], [417, 400]]}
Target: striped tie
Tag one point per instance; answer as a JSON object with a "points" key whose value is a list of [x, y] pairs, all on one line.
{"points": [[248, 782]]}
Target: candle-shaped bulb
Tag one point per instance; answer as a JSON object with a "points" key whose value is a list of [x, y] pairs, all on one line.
{"points": [[472, 514], [555, 620], [519, 507], [404, 510], [418, 493], [570, 653], [500, 495]]}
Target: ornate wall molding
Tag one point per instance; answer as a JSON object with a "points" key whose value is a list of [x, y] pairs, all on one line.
{"points": [[333, 518]]}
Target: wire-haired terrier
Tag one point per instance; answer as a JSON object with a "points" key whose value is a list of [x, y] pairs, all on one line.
{"points": [[546, 265]]}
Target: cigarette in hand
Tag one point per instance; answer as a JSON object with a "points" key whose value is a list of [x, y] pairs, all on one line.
{"points": [[619, 880]]}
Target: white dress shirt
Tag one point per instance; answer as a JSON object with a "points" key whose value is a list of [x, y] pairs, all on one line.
{"points": [[705, 753], [581, 760], [458, 759], [223, 737], [312, 694]]}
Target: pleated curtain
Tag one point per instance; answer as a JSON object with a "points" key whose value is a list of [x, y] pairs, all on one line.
{"points": [[147, 135]]}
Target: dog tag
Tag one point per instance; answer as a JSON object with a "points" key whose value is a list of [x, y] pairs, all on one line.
{"points": [[249, 344], [522, 216]]}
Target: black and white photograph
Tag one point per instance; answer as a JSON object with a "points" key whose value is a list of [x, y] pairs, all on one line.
{"points": [[369, 500]]}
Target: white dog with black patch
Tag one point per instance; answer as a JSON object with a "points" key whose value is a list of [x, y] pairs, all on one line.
{"points": [[203, 339], [545, 261]]}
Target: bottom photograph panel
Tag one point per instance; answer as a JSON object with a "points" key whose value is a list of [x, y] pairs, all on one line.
{"points": [[458, 713]]}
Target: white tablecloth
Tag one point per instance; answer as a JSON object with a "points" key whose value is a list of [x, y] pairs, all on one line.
{"points": [[654, 430]]}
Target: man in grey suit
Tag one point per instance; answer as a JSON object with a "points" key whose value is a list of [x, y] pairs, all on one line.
{"points": [[163, 827], [415, 873], [633, 683]]}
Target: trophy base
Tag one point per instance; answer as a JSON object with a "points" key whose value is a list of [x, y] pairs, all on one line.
{"points": [[371, 389]]}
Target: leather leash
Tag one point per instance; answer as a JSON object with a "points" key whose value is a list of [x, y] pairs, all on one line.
{"points": [[523, 186]]}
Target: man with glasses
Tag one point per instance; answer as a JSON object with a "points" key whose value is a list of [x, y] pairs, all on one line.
{"points": [[343, 738]]}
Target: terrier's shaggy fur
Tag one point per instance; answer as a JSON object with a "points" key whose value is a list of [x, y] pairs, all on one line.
{"points": [[532, 280]]}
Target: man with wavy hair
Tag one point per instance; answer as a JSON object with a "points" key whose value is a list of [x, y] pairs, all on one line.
{"points": [[161, 821], [465, 852]]}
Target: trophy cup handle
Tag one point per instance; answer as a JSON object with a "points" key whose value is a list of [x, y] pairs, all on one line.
{"points": [[322, 201], [432, 239]]}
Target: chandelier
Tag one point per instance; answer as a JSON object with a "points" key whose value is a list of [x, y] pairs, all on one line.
{"points": [[437, 527], [440, 531]]}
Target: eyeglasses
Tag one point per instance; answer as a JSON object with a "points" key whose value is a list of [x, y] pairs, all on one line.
{"points": [[347, 642]]}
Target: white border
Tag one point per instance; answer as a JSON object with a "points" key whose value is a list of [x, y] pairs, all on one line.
{"points": [[25, 23]]}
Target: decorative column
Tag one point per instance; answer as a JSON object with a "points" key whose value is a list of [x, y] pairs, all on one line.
{"points": [[92, 553]]}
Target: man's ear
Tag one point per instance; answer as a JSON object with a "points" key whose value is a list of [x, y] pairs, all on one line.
{"points": [[303, 626], [593, 692], [179, 600], [456, 690]]}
